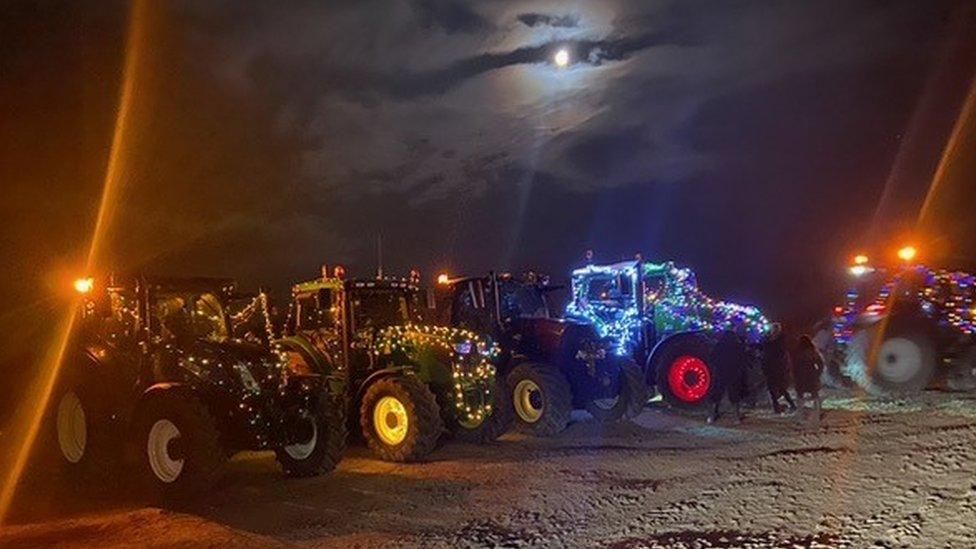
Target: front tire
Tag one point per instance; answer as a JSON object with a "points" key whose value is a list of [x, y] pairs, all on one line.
{"points": [[897, 362], [629, 402], [178, 444], [81, 434], [495, 425], [324, 444], [542, 398], [400, 419], [682, 373]]}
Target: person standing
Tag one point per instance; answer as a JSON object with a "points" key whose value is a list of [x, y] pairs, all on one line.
{"points": [[776, 369], [729, 359], [808, 366]]}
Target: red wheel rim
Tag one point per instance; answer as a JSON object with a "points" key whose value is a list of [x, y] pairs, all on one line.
{"points": [[689, 378]]}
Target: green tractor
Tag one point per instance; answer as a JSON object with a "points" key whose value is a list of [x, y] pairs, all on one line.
{"points": [[410, 382]]}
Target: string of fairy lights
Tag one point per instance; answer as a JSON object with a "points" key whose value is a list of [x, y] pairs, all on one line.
{"points": [[675, 304], [946, 297], [470, 355]]}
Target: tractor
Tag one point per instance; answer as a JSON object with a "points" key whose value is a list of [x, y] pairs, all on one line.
{"points": [[152, 372], [656, 314], [551, 366], [409, 381], [904, 328]]}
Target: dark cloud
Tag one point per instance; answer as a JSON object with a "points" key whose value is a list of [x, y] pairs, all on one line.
{"points": [[449, 15], [558, 21]]}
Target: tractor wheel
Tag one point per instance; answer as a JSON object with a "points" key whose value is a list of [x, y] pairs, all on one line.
{"points": [[682, 373], [82, 434], [899, 361], [631, 400], [323, 442], [488, 429], [400, 419], [541, 397], [178, 444]]}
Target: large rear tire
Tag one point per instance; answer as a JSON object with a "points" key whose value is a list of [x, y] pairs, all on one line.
{"points": [[178, 444], [631, 400], [898, 361], [541, 397], [682, 374], [325, 442], [400, 419]]}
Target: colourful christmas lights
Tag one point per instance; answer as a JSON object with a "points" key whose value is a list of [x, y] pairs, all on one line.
{"points": [[947, 297], [671, 302]]}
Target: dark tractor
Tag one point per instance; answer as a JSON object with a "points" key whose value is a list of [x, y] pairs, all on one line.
{"points": [[551, 366], [153, 373], [656, 314], [410, 382], [906, 328]]}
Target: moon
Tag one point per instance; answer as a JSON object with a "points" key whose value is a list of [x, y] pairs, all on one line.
{"points": [[561, 58]]}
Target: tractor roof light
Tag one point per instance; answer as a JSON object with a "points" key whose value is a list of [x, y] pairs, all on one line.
{"points": [[443, 279], [860, 259], [84, 285], [907, 253]]}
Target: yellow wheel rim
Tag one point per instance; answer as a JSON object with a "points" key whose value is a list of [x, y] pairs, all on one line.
{"points": [[528, 401], [390, 420]]}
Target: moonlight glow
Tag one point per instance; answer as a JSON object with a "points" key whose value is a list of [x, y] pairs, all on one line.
{"points": [[561, 58]]}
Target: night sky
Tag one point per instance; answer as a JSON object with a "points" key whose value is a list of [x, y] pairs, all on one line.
{"points": [[752, 141]]}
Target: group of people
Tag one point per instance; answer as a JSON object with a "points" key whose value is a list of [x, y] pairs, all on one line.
{"points": [[800, 366]]}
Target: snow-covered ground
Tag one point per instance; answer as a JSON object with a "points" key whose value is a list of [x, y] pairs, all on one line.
{"points": [[873, 473]]}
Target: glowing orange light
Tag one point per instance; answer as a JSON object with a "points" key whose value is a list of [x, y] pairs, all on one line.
{"points": [[443, 278], [907, 253], [84, 285], [339, 271], [860, 259]]}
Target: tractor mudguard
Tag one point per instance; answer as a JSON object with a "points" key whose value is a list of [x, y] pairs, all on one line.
{"points": [[385, 372], [649, 365]]}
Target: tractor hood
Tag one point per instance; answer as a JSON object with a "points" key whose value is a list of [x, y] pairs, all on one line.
{"points": [[553, 338], [237, 364]]}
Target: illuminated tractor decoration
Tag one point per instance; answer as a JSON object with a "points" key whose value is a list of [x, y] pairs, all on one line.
{"points": [[905, 328], [655, 313], [152, 372], [409, 382], [550, 365]]}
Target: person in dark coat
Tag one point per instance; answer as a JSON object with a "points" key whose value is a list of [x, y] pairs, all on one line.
{"points": [[808, 365], [729, 359], [776, 369]]}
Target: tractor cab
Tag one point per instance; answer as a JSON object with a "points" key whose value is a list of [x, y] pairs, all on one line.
{"points": [[493, 304]]}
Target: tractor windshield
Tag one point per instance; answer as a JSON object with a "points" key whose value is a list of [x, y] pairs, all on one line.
{"points": [[522, 301], [610, 290], [379, 308], [191, 316]]}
